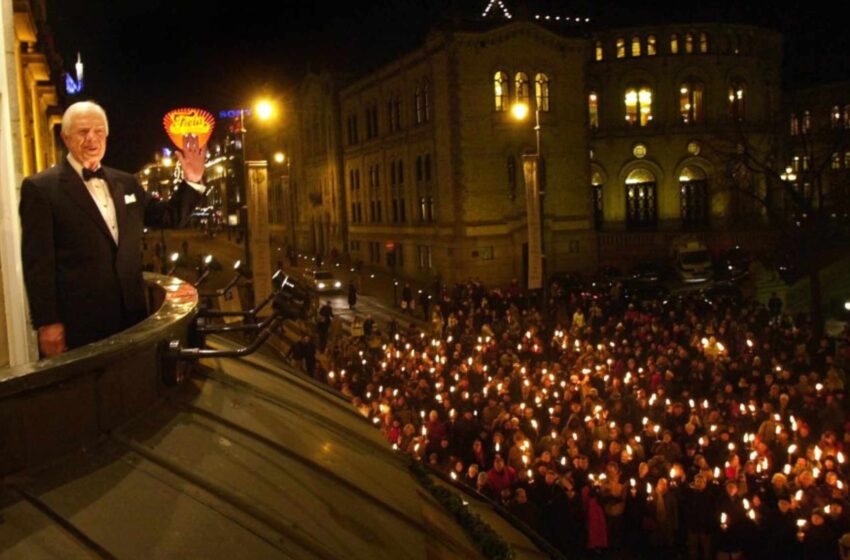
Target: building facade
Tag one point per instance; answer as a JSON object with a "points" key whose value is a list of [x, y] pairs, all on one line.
{"points": [[30, 117], [432, 173], [641, 133], [668, 109]]}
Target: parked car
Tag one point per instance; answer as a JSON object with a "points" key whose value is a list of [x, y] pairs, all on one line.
{"points": [[692, 262], [647, 271], [638, 291], [722, 292], [323, 281]]}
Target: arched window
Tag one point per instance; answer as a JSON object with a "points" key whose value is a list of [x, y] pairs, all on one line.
{"points": [[596, 193], [836, 161], [807, 121], [694, 196], [674, 44], [500, 90], [641, 200], [835, 117], [651, 45], [703, 42], [593, 109], [521, 87], [738, 100], [599, 51], [691, 102], [689, 43], [635, 46], [541, 92], [621, 47], [639, 105], [795, 125]]}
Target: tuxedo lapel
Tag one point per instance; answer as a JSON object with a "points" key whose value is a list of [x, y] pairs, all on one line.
{"points": [[116, 190], [77, 191]]}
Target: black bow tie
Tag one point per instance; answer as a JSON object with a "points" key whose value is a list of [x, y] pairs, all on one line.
{"points": [[89, 174]]}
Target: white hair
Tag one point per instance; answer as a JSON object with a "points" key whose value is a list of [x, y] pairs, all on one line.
{"points": [[80, 108]]}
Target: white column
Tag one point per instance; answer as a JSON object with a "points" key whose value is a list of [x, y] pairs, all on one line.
{"points": [[19, 334]]}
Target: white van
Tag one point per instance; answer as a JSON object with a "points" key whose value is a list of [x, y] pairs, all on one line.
{"points": [[692, 262]]}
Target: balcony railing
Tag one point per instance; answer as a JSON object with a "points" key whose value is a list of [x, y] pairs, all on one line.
{"points": [[56, 405]]}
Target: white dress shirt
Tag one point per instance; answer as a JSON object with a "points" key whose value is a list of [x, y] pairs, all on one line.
{"points": [[99, 191]]}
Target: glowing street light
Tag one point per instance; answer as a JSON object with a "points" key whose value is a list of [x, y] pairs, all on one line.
{"points": [[279, 157], [264, 110], [520, 111]]}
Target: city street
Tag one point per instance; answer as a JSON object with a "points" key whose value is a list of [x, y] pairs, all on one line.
{"points": [[375, 296]]}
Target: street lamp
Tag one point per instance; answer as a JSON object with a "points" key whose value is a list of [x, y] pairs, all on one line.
{"points": [[534, 208], [264, 110]]}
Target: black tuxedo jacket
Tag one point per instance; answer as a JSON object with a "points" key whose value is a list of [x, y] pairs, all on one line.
{"points": [[74, 271]]}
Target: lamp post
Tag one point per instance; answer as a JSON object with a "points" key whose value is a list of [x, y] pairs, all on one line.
{"points": [[264, 111], [534, 207]]}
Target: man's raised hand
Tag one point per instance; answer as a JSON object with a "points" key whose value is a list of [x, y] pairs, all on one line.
{"points": [[192, 157]]}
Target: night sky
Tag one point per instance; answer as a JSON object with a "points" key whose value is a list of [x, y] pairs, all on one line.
{"points": [[145, 57]]}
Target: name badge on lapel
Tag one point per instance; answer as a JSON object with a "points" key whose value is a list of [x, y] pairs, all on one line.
{"points": [[129, 198]]}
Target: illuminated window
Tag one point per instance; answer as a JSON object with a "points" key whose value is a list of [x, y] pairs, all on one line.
{"points": [[737, 100], [703, 43], [639, 105], [846, 160], [521, 87], [500, 90], [593, 109], [795, 125], [541, 92], [835, 117], [596, 193], [689, 43], [621, 47], [807, 121], [674, 44], [836, 160], [635, 46], [651, 45], [694, 197], [599, 51], [847, 116], [641, 204], [691, 102]]}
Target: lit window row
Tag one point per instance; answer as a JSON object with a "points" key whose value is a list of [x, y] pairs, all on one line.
{"points": [[641, 194], [502, 89], [802, 123], [649, 46], [638, 101]]}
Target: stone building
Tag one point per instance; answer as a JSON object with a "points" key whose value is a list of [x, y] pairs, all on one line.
{"points": [[432, 160], [30, 118], [641, 131], [668, 108]]}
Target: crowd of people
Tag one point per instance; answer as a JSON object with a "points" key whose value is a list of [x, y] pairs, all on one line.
{"points": [[685, 427]]}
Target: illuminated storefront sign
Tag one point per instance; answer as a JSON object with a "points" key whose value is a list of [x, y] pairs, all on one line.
{"points": [[189, 121]]}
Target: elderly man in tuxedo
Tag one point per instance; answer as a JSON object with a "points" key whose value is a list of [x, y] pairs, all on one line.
{"points": [[82, 226]]}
